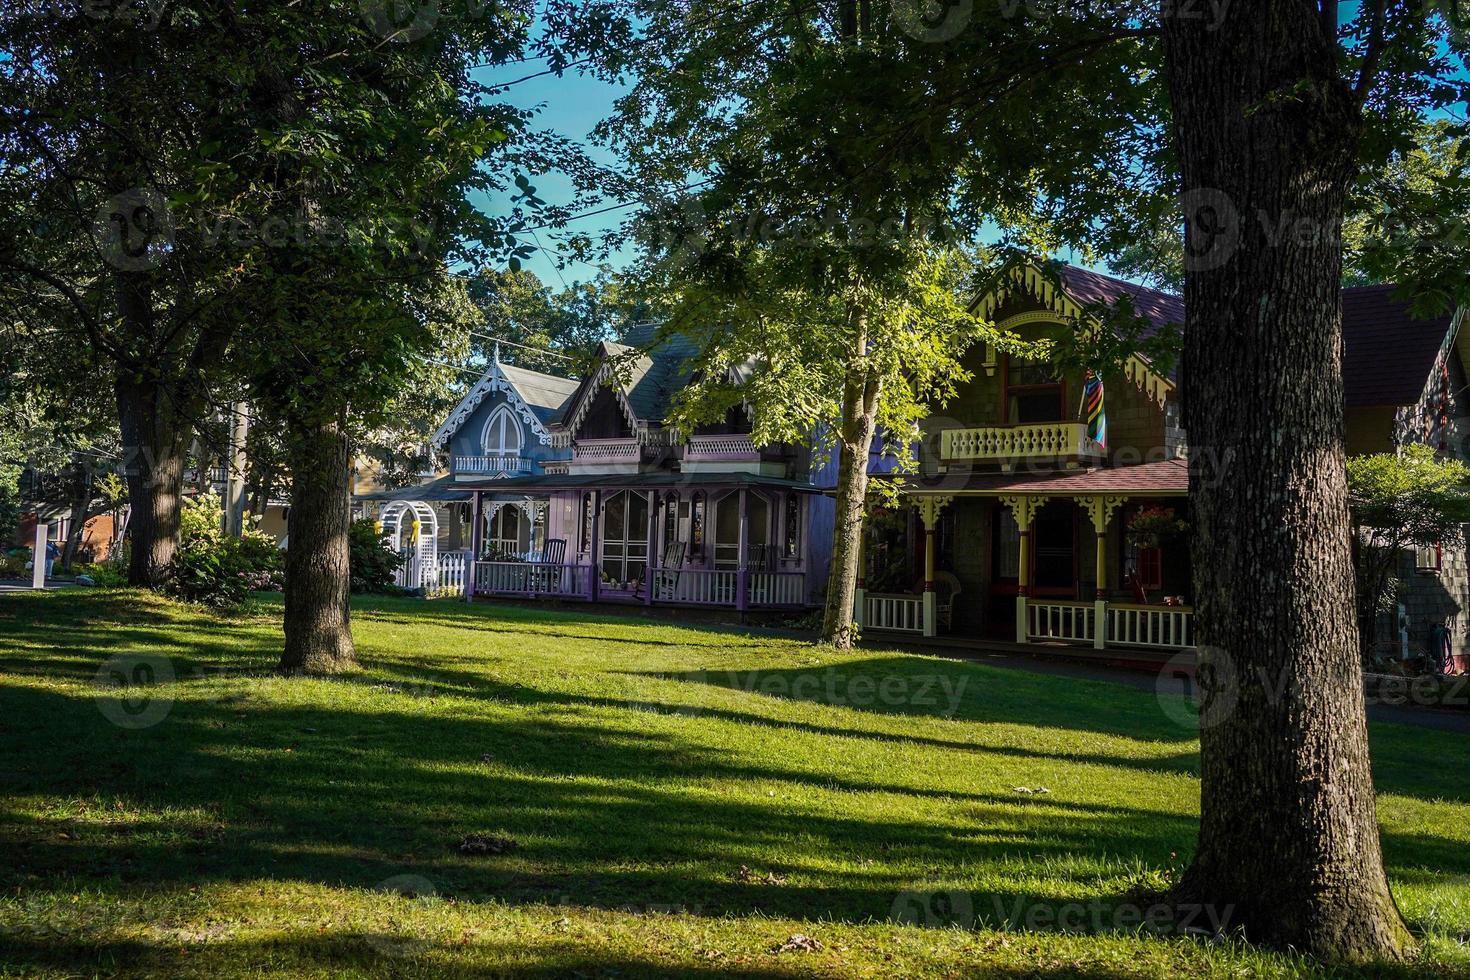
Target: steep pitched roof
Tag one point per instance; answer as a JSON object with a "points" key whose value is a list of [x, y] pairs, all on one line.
{"points": [[1387, 354], [540, 399], [668, 368], [1159, 307], [656, 368], [546, 394]]}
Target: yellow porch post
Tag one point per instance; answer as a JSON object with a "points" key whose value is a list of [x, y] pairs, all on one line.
{"points": [[929, 508], [1100, 509], [1023, 508]]}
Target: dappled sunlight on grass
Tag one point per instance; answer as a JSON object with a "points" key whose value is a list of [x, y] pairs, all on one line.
{"points": [[676, 798]]}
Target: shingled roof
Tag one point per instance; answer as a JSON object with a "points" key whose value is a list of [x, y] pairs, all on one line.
{"points": [[545, 394], [659, 372], [1387, 352]]}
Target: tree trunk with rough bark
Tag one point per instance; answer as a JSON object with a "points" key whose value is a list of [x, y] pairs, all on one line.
{"points": [[859, 411], [154, 439], [1266, 133], [80, 503], [318, 622]]}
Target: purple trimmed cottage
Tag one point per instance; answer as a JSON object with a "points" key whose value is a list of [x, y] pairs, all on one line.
{"points": [[579, 490]]}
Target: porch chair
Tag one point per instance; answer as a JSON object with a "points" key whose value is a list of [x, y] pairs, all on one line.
{"points": [[549, 579], [946, 588], [666, 577]]}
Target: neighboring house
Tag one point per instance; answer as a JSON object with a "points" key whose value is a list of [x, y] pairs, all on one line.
{"points": [[581, 490], [1048, 536], [1404, 382]]}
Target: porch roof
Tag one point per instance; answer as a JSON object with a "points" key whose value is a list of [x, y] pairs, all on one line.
{"points": [[635, 481], [1164, 478], [441, 490]]}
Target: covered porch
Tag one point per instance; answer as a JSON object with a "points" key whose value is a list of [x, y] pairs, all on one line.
{"points": [[1095, 558], [732, 540]]}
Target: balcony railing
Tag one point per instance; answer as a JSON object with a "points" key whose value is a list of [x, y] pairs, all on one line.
{"points": [[1034, 440], [607, 451], [731, 447], [496, 465]]}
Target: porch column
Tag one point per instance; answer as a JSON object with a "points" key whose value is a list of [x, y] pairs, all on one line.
{"points": [[1100, 509], [929, 508], [653, 502], [742, 573], [477, 523], [594, 578], [1023, 509]]}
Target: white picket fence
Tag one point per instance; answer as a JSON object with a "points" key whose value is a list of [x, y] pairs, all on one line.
{"points": [[442, 576]]}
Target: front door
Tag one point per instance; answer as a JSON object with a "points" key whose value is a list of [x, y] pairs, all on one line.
{"points": [[1053, 544], [624, 561]]}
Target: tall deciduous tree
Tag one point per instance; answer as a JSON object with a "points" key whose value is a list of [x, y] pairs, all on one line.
{"points": [[108, 118], [808, 132], [367, 138], [1275, 110]]}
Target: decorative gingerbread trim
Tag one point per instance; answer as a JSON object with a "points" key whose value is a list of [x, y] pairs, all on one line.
{"points": [[1101, 508], [490, 382]]}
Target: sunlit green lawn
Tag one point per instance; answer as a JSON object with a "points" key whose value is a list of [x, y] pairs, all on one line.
{"points": [[680, 799]]}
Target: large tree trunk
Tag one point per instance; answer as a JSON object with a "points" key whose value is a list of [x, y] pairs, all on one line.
{"points": [[154, 439], [859, 410], [1266, 133], [318, 582], [80, 503]]}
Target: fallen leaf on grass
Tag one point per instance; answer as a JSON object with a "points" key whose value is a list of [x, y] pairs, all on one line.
{"points": [[798, 944], [486, 844]]}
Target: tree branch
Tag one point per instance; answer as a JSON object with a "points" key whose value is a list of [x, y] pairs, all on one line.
{"points": [[1372, 53]]}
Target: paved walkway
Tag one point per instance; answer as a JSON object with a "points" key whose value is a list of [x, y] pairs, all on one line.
{"points": [[16, 585]]}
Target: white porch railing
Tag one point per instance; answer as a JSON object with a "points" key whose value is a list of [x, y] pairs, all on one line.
{"points": [[1073, 621], [776, 589], [507, 465], [904, 613], [1170, 627], [705, 586], [531, 578], [1035, 440]]}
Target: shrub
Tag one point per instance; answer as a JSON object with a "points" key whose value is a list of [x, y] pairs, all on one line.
{"points": [[214, 568], [105, 574], [371, 561]]}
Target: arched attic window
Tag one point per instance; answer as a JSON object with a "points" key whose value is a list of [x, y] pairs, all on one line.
{"points": [[502, 435]]}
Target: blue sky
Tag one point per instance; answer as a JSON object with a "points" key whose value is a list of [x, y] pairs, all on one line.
{"points": [[569, 105]]}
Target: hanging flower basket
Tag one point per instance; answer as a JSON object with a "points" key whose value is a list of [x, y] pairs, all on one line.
{"points": [[1150, 525]]}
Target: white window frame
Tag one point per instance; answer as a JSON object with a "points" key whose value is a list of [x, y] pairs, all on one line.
{"points": [[512, 424]]}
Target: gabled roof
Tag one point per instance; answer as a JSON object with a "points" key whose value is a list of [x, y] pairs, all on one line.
{"points": [[1158, 307], [538, 398], [546, 394], [1387, 354], [653, 370]]}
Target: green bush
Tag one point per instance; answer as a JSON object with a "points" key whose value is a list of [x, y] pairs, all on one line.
{"points": [[105, 574], [213, 568], [371, 561]]}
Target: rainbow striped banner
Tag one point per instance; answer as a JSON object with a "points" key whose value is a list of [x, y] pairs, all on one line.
{"points": [[1093, 411]]}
